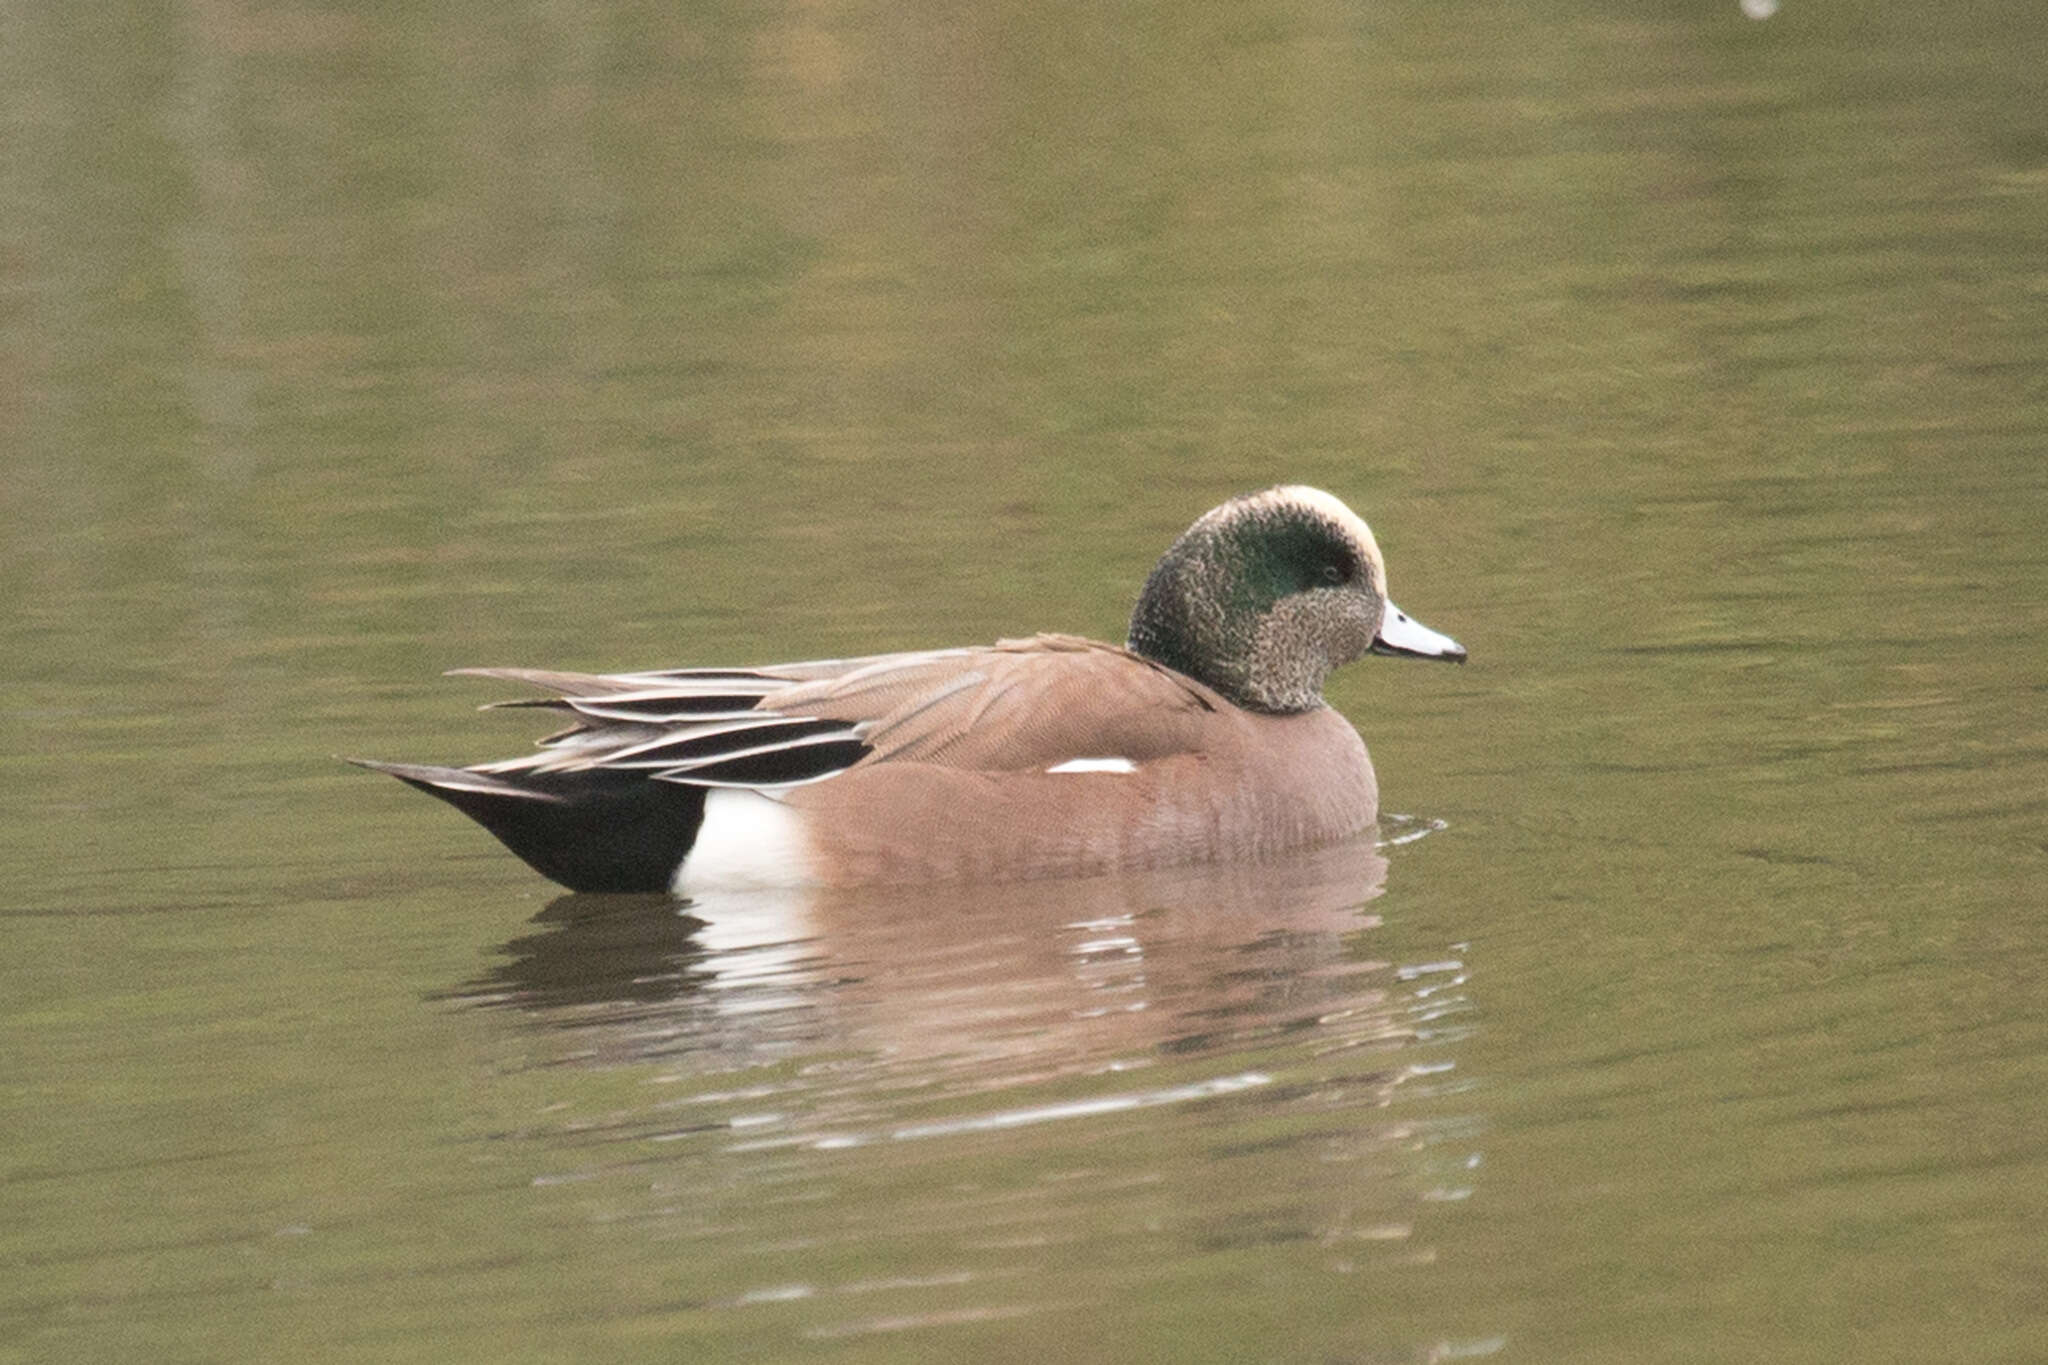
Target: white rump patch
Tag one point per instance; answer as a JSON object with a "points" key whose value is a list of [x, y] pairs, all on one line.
{"points": [[748, 842], [1094, 765]]}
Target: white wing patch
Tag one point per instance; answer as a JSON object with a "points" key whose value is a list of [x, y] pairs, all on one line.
{"points": [[1094, 765]]}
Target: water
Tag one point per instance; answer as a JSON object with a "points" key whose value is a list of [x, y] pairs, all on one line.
{"points": [[1687, 365]]}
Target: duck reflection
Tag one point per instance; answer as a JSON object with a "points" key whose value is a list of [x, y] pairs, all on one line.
{"points": [[891, 1105], [1041, 977]]}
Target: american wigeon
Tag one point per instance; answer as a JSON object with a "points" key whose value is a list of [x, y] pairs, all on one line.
{"points": [[1205, 738]]}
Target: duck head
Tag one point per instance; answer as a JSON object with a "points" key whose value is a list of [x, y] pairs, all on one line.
{"points": [[1264, 595]]}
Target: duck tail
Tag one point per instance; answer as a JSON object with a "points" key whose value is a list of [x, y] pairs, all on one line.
{"points": [[590, 830]]}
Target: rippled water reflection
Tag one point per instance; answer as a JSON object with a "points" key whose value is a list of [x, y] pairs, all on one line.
{"points": [[998, 1069]]}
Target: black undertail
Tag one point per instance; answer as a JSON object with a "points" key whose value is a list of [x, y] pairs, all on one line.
{"points": [[591, 830]]}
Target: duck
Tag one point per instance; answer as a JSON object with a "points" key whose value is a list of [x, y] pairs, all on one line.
{"points": [[1203, 738]]}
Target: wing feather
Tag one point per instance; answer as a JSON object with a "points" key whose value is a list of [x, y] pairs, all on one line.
{"points": [[1018, 704]]}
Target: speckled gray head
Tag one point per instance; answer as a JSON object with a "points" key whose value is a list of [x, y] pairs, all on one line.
{"points": [[1266, 594]]}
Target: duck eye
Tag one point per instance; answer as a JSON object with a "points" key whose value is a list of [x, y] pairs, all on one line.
{"points": [[1331, 574]]}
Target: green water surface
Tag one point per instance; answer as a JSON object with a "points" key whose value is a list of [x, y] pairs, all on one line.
{"points": [[1693, 371]]}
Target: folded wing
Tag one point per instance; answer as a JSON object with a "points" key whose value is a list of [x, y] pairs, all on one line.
{"points": [[1017, 705]]}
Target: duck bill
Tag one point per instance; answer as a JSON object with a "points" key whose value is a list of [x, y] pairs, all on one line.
{"points": [[1402, 634]]}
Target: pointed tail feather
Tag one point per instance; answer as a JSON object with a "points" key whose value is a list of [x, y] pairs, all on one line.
{"points": [[590, 830]]}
